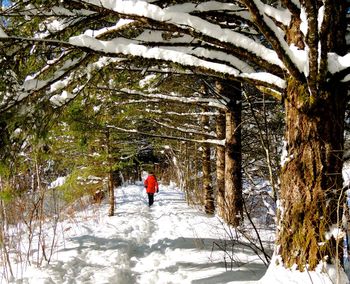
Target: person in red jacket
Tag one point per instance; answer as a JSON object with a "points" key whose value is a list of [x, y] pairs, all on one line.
{"points": [[151, 185]]}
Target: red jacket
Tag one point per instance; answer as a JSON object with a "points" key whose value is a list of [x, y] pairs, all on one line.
{"points": [[151, 184]]}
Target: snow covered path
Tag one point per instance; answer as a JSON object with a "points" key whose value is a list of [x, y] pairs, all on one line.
{"points": [[167, 243]]}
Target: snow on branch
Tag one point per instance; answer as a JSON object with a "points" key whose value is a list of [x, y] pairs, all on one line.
{"points": [[339, 65], [194, 114], [136, 101], [134, 131], [200, 48], [275, 36], [185, 130], [33, 85], [2, 33], [185, 20], [205, 7], [293, 6], [31, 11], [129, 47], [76, 78], [204, 52], [184, 43], [280, 15], [212, 102]]}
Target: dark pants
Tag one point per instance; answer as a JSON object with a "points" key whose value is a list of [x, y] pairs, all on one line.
{"points": [[150, 198]]}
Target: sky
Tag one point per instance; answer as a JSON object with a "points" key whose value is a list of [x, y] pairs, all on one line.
{"points": [[6, 3], [170, 242]]}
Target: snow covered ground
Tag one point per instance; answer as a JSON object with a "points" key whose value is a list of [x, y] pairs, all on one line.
{"points": [[167, 243], [170, 242]]}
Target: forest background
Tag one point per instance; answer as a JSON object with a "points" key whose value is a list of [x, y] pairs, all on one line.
{"points": [[209, 94]]}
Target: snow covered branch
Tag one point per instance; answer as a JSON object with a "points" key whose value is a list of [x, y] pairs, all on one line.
{"points": [[173, 97], [134, 131], [187, 130], [274, 35]]}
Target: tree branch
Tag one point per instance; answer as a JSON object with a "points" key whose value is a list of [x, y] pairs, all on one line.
{"points": [[185, 130], [175, 98], [277, 42], [312, 42], [136, 132]]}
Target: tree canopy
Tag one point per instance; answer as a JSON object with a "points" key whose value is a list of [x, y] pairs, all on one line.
{"points": [[251, 41]]}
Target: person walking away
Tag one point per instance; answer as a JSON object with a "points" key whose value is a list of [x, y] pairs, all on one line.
{"points": [[151, 185]]}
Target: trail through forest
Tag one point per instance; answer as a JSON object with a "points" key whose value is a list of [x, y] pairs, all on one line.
{"points": [[167, 243]]}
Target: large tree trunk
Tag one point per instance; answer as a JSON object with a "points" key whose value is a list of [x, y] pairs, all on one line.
{"points": [[311, 178], [233, 168], [233, 157], [230, 200]]}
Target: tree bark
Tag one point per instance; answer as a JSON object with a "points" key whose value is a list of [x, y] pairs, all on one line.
{"points": [[312, 198], [207, 181], [311, 177], [208, 190], [233, 168], [111, 194], [110, 176], [220, 166], [230, 200], [233, 156]]}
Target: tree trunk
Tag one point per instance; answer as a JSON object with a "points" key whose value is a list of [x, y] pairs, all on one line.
{"points": [[187, 176], [110, 176], [311, 177], [206, 167], [233, 168], [111, 194], [207, 181], [196, 166], [220, 166], [233, 200], [207, 184]]}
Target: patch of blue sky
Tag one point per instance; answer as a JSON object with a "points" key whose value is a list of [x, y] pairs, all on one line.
{"points": [[6, 3]]}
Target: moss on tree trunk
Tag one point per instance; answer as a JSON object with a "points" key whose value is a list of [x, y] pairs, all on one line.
{"points": [[311, 178]]}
